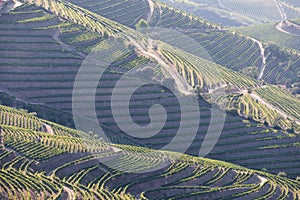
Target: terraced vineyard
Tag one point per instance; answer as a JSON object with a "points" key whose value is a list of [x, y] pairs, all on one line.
{"points": [[128, 13], [75, 173], [288, 60], [208, 74], [29, 46], [49, 55], [268, 32], [266, 11], [210, 11], [236, 51], [282, 100], [46, 41], [232, 49], [51, 82]]}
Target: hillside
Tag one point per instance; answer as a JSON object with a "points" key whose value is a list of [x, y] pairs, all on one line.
{"points": [[139, 98], [268, 32], [234, 13], [43, 70], [231, 49], [236, 51], [61, 163], [86, 40], [77, 44]]}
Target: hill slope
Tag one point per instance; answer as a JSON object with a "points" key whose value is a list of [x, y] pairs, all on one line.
{"points": [[240, 13], [52, 164], [268, 32], [236, 51], [42, 79]]}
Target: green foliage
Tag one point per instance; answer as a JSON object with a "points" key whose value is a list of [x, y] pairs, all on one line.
{"points": [[38, 19], [142, 24], [52, 165], [38, 110], [248, 106]]}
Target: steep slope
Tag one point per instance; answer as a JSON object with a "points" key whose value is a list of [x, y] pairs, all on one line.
{"points": [[85, 168], [240, 13], [227, 75], [226, 48], [268, 32], [128, 13], [231, 49], [52, 83]]}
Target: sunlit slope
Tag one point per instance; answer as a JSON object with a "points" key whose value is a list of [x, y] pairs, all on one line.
{"points": [[227, 48], [54, 86], [128, 13], [239, 13], [233, 50], [56, 89], [268, 32], [81, 167]]}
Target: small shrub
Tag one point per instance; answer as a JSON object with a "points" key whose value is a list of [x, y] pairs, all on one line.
{"points": [[281, 174]]}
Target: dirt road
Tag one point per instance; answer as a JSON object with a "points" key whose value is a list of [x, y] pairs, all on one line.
{"points": [[280, 10], [182, 85], [280, 28], [264, 58], [151, 5]]}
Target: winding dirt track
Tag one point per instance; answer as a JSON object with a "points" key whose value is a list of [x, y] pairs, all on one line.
{"points": [[279, 27], [272, 107], [264, 58], [223, 6], [150, 14], [182, 85], [281, 10]]}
